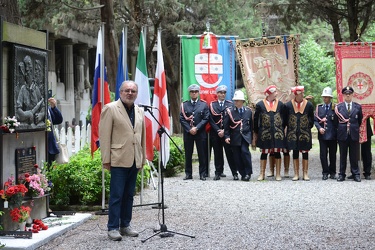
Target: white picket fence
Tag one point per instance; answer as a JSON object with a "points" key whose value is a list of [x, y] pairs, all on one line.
{"points": [[76, 141]]}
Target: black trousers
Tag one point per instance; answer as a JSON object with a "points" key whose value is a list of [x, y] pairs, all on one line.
{"points": [[201, 144], [242, 158], [366, 157], [218, 144], [328, 147], [353, 148]]}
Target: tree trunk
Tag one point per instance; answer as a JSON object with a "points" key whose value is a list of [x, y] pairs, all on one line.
{"points": [[111, 48], [9, 11]]}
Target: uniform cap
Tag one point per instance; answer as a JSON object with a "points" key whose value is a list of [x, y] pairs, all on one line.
{"points": [[298, 90], [222, 88], [194, 87], [239, 96], [347, 90], [327, 91]]}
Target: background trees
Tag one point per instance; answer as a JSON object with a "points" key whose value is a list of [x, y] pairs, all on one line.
{"points": [[321, 21]]}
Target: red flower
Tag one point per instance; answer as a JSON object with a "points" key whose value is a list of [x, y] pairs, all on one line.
{"points": [[20, 214], [36, 166]]}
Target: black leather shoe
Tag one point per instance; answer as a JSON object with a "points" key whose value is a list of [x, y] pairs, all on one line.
{"points": [[222, 175], [235, 177], [351, 177], [341, 178], [203, 178], [332, 176], [325, 177], [217, 177], [357, 178], [246, 178], [367, 177], [188, 177]]}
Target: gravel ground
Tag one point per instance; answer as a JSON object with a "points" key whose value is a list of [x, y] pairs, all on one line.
{"points": [[229, 214]]}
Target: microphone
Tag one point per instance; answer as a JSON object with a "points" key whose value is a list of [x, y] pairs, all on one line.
{"points": [[146, 106]]}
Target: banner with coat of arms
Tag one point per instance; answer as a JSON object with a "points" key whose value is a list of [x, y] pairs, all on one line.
{"points": [[208, 63], [268, 61], [355, 67]]}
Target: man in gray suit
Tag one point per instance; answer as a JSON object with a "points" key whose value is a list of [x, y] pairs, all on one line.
{"points": [[122, 136]]}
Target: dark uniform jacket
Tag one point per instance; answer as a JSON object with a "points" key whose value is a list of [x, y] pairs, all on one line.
{"points": [[55, 117], [236, 127], [329, 124], [194, 116], [269, 125], [299, 124], [217, 114], [348, 124]]}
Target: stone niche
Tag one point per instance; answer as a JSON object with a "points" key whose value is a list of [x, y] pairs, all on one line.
{"points": [[24, 57]]}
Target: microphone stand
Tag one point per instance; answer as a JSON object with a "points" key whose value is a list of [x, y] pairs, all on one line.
{"points": [[163, 231]]}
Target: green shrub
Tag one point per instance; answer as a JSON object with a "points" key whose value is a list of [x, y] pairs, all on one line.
{"points": [[176, 161], [79, 182]]}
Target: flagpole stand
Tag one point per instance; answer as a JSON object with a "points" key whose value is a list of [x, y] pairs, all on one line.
{"points": [[163, 232]]}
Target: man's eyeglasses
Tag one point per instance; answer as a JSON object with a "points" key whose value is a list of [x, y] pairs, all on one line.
{"points": [[128, 91]]}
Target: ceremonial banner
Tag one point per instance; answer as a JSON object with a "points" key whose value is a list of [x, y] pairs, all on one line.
{"points": [[208, 65], [268, 61], [355, 67]]}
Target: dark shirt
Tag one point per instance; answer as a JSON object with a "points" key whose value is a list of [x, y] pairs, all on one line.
{"points": [[130, 112]]}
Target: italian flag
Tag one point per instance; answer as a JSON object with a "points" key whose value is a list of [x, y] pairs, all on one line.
{"points": [[141, 78]]}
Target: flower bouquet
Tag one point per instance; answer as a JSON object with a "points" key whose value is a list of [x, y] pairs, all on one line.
{"points": [[13, 194], [20, 214], [10, 124], [37, 184]]}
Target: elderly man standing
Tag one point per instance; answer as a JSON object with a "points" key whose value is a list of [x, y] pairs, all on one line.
{"points": [[122, 135], [193, 118], [350, 116], [269, 130], [326, 123], [238, 126], [217, 114], [299, 116]]}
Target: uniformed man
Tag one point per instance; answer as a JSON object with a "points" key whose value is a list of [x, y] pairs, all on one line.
{"points": [[217, 114], [299, 117], [349, 116], [238, 133], [366, 152], [269, 130], [193, 118], [325, 121]]}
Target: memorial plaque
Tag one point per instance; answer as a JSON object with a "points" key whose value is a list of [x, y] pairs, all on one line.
{"points": [[25, 161]]}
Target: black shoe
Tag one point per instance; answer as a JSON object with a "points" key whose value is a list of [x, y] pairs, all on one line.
{"points": [[341, 178], [222, 175], [325, 177], [205, 175], [217, 177], [351, 177], [367, 177], [357, 178], [188, 177], [246, 178], [235, 177], [203, 178], [332, 176]]}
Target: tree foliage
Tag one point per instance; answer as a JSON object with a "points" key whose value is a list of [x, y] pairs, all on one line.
{"points": [[316, 69]]}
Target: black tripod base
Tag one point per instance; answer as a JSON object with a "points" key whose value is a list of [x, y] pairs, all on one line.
{"points": [[164, 233]]}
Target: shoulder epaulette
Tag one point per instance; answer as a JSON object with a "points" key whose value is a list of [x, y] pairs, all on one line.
{"points": [[229, 101], [202, 100]]}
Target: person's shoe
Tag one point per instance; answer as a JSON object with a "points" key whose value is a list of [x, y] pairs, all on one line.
{"points": [[332, 176], [203, 178], [367, 177], [188, 177], [341, 178], [235, 177], [325, 177], [222, 175], [114, 235], [357, 178], [128, 231], [351, 177], [217, 177], [245, 178]]}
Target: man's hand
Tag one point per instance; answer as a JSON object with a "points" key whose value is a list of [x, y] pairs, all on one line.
{"points": [[107, 166], [193, 130], [220, 133], [322, 131], [227, 140]]}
